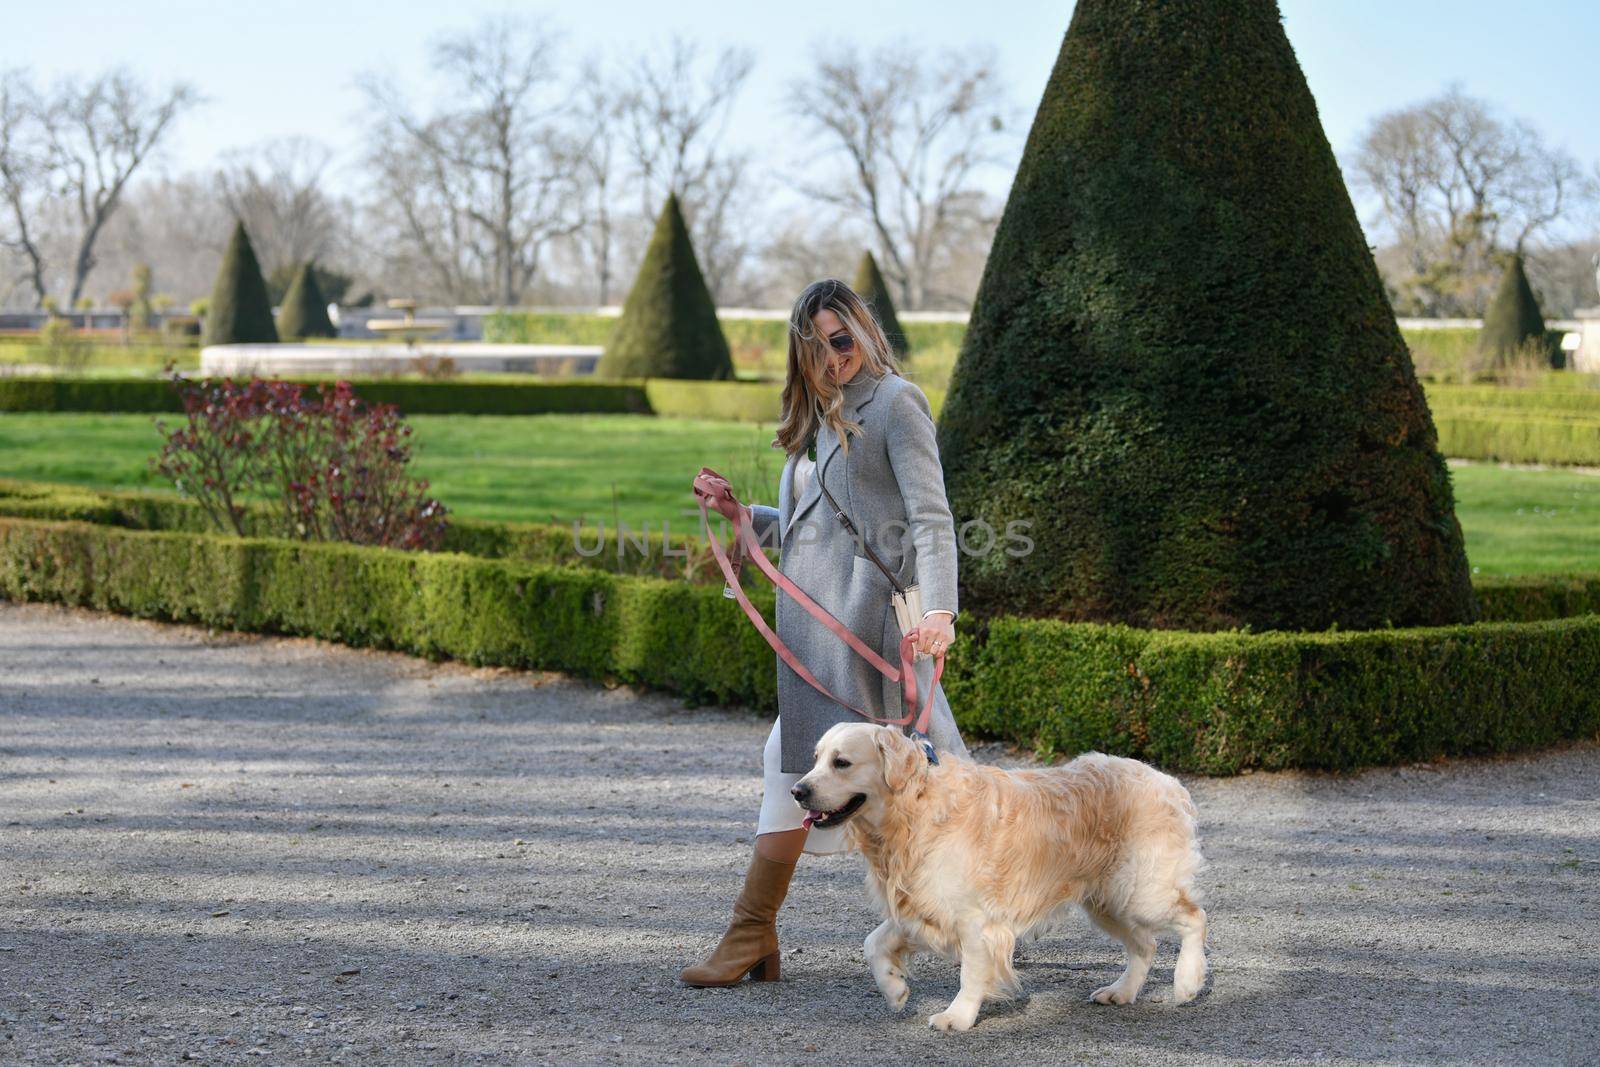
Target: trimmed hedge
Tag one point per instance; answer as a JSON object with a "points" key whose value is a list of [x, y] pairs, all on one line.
{"points": [[669, 326], [240, 311], [1582, 397], [127, 509], [1443, 351], [1215, 703], [1450, 353], [1180, 364], [305, 309], [1219, 703], [1530, 598], [546, 543], [755, 341], [667, 634], [1513, 437], [1500, 599], [547, 328], [413, 397], [870, 287], [1555, 423], [1513, 316], [131, 395], [732, 401]]}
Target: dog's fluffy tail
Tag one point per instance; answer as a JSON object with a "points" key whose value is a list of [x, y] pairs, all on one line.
{"points": [[1194, 861]]}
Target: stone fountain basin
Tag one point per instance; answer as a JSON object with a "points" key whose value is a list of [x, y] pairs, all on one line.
{"points": [[291, 360], [408, 329]]}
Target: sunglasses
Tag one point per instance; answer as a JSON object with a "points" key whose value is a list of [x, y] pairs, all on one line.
{"points": [[842, 342]]}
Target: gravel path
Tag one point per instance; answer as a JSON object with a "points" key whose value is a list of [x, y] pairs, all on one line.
{"points": [[236, 849]]}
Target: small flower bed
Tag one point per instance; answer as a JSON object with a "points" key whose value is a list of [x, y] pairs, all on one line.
{"points": [[334, 467]]}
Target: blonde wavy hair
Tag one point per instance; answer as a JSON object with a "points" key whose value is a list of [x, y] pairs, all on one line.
{"points": [[809, 395]]}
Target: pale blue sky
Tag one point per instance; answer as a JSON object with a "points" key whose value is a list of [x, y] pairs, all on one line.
{"points": [[276, 68]]}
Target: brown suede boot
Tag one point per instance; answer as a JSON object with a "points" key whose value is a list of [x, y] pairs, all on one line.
{"points": [[750, 945]]}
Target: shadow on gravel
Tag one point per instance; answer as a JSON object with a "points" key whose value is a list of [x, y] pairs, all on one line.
{"points": [[379, 861]]}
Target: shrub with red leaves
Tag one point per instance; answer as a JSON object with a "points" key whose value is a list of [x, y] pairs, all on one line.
{"points": [[333, 465]]}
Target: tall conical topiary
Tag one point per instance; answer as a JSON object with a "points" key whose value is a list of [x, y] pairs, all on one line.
{"points": [[240, 312], [668, 327], [304, 312], [1181, 367], [870, 287], [1513, 317]]}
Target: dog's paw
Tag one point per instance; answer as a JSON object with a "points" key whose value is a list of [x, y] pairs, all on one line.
{"points": [[1189, 979], [951, 1020], [1111, 994], [895, 992]]}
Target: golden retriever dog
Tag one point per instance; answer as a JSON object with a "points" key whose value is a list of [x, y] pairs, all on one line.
{"points": [[962, 859]]}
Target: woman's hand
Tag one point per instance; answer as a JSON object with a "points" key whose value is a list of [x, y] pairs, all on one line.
{"points": [[714, 487], [935, 633]]}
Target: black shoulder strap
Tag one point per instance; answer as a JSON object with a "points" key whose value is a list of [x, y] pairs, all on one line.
{"points": [[844, 519]]}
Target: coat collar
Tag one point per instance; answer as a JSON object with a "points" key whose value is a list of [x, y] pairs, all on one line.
{"points": [[858, 393], [859, 389]]}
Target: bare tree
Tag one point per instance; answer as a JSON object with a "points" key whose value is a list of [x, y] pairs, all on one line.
{"points": [[726, 226], [1402, 162], [178, 224], [1456, 184], [1539, 191], [483, 184], [24, 175], [913, 134], [600, 109], [424, 239], [99, 133], [676, 122], [276, 189], [804, 246], [1563, 276]]}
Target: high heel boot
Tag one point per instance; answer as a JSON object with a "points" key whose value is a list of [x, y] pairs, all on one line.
{"points": [[750, 944]]}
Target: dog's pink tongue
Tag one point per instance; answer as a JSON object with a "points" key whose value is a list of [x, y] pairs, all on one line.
{"points": [[810, 818]]}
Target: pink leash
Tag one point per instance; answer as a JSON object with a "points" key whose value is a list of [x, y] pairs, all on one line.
{"points": [[711, 489]]}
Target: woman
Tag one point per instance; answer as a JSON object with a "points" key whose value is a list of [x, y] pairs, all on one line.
{"points": [[852, 422]]}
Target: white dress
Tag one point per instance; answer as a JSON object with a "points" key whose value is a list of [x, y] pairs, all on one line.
{"points": [[779, 811]]}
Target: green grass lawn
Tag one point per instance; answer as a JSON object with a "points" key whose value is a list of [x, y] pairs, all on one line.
{"points": [[569, 466], [524, 469], [108, 359], [1528, 521]]}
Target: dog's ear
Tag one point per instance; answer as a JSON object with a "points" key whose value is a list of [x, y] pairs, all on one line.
{"points": [[901, 758]]}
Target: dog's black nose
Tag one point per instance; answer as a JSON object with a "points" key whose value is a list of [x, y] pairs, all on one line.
{"points": [[801, 792]]}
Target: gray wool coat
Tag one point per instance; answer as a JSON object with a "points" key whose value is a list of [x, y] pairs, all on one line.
{"points": [[892, 486]]}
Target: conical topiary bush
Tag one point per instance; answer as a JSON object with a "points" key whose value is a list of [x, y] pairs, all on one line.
{"points": [[1513, 318], [1181, 369], [668, 327], [870, 287], [240, 312], [304, 312]]}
